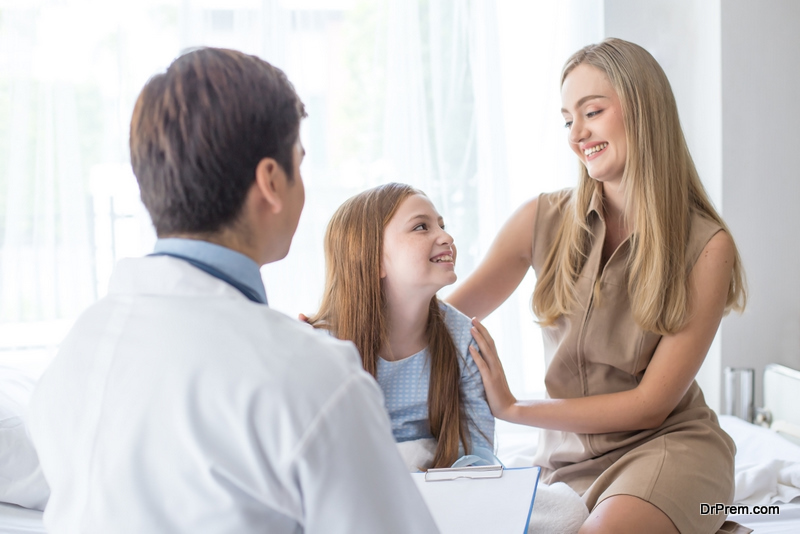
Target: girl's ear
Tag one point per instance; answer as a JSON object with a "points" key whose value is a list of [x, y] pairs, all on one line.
{"points": [[381, 256], [271, 182]]}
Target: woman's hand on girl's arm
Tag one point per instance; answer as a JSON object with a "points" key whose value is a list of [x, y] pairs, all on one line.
{"points": [[669, 375], [503, 268], [480, 417], [501, 401]]}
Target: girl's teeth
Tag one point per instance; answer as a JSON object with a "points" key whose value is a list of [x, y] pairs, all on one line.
{"points": [[596, 148]]}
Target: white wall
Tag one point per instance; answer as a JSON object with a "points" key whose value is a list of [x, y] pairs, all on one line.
{"points": [[761, 182], [684, 37], [733, 66]]}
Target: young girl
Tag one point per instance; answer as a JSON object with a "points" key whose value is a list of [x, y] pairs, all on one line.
{"points": [[386, 255], [635, 270]]}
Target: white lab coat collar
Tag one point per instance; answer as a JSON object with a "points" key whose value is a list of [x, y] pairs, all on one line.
{"points": [[167, 276]]}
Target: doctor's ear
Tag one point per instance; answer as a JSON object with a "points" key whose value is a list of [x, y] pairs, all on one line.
{"points": [[271, 182]]}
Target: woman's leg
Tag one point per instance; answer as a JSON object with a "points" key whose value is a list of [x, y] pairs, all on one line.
{"points": [[622, 514]]}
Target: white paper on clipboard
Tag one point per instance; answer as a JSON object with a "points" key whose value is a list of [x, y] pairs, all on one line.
{"points": [[480, 505]]}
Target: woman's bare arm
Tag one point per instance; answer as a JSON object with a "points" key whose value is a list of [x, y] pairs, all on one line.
{"points": [[666, 380], [503, 268]]}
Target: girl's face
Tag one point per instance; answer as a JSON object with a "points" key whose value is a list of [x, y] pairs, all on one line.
{"points": [[593, 118], [418, 255]]}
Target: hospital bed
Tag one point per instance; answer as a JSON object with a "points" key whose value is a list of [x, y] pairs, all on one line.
{"points": [[759, 452], [767, 461]]}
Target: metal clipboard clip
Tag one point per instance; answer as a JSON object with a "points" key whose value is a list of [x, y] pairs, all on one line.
{"points": [[473, 472]]}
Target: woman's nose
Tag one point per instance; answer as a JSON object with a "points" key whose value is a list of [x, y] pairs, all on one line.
{"points": [[577, 132]]}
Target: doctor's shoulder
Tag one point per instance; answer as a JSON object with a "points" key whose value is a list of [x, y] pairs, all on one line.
{"points": [[315, 348]]}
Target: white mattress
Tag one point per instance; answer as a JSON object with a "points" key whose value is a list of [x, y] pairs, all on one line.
{"points": [[788, 522]]}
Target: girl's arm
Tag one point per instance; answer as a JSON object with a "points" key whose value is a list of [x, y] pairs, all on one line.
{"points": [[481, 427], [666, 379], [503, 268]]}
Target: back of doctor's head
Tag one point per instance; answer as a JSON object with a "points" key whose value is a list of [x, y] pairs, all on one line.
{"points": [[198, 132]]}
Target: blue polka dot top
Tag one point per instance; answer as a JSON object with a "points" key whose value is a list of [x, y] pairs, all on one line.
{"points": [[405, 388]]}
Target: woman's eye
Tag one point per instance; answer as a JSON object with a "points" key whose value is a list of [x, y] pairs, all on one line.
{"points": [[593, 113], [421, 226], [568, 124]]}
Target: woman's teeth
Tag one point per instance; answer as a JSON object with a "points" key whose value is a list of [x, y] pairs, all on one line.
{"points": [[596, 148], [445, 258]]}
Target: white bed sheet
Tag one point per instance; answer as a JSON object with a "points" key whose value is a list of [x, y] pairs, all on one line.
{"points": [[787, 522], [516, 447]]}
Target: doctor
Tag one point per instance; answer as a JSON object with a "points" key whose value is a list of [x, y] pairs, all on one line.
{"points": [[181, 402]]}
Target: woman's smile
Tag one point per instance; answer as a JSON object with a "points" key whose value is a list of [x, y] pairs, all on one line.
{"points": [[593, 150], [593, 116]]}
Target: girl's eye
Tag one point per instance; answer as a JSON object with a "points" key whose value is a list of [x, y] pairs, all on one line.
{"points": [[568, 124], [421, 226], [593, 113]]}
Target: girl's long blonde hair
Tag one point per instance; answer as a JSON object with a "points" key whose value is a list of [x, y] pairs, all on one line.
{"points": [[354, 308], [662, 191]]}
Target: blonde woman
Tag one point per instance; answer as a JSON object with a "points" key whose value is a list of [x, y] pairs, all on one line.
{"points": [[386, 255], [635, 270]]}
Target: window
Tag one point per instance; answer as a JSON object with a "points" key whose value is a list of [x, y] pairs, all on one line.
{"points": [[459, 98]]}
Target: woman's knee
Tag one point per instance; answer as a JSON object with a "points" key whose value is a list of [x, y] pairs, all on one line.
{"points": [[621, 514]]}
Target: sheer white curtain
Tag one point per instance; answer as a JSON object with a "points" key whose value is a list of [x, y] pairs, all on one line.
{"points": [[46, 259], [534, 40], [456, 97]]}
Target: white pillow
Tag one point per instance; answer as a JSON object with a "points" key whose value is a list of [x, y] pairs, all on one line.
{"points": [[21, 478]]}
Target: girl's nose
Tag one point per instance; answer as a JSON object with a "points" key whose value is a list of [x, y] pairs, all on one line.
{"points": [[445, 238]]}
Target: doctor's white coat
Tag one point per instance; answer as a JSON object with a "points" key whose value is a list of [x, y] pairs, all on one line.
{"points": [[177, 405]]}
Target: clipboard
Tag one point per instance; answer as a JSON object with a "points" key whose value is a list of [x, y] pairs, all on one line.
{"points": [[470, 501], [472, 472]]}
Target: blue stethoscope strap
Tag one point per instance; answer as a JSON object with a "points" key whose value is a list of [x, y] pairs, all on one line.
{"points": [[216, 273]]}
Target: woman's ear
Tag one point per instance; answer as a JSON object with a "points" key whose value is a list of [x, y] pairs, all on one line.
{"points": [[271, 182]]}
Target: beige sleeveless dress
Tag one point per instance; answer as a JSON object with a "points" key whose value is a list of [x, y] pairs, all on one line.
{"points": [[600, 349]]}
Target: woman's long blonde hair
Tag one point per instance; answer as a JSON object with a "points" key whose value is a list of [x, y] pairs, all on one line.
{"points": [[662, 192], [354, 308]]}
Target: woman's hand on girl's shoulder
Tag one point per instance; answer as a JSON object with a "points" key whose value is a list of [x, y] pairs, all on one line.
{"points": [[498, 394], [503, 268]]}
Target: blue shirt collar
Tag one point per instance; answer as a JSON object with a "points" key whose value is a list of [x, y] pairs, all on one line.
{"points": [[234, 264]]}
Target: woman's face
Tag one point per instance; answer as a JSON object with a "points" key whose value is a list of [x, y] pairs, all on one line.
{"points": [[593, 115], [418, 255]]}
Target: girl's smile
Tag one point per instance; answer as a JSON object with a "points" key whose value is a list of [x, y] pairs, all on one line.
{"points": [[418, 254]]}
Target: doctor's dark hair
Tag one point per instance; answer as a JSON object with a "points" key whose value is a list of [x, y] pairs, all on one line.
{"points": [[198, 132], [354, 308]]}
